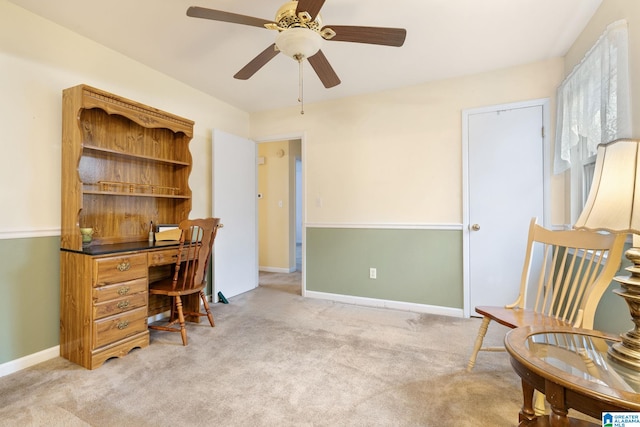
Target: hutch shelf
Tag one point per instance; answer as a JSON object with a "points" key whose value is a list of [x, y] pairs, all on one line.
{"points": [[124, 165]]}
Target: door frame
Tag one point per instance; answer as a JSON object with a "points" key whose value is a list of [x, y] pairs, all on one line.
{"points": [[542, 102], [303, 148]]}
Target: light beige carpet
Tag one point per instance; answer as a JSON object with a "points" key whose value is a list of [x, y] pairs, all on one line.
{"points": [[277, 359]]}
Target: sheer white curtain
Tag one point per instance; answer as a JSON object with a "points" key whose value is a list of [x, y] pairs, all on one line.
{"points": [[593, 102]]}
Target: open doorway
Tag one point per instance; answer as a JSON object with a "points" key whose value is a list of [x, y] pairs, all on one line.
{"points": [[280, 169]]}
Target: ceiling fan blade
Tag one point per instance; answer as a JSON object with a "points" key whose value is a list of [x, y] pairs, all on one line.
{"points": [[372, 35], [323, 69], [311, 6], [219, 15], [256, 63]]}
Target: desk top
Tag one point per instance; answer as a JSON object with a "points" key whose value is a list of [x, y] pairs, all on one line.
{"points": [[124, 247], [576, 359]]}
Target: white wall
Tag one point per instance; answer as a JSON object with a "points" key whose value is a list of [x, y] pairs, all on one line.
{"points": [[395, 157], [38, 59]]}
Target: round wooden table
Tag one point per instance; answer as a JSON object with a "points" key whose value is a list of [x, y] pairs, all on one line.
{"points": [[571, 367]]}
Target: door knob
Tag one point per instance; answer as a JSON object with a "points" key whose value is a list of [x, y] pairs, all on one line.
{"points": [[475, 227]]}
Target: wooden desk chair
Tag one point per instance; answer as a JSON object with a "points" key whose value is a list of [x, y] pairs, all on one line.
{"points": [[574, 269], [190, 273]]}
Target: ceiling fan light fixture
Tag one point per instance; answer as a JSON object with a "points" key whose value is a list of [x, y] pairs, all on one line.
{"points": [[299, 43], [300, 36]]}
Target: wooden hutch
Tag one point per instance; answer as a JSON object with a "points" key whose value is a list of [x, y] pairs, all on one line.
{"points": [[124, 166]]}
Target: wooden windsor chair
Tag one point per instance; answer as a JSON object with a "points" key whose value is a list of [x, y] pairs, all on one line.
{"points": [[570, 270], [189, 274]]}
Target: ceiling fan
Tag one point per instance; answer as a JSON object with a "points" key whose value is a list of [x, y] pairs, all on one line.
{"points": [[300, 35]]}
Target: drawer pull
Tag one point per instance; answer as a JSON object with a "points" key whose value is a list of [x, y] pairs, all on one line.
{"points": [[123, 290], [123, 325], [123, 304], [124, 266]]}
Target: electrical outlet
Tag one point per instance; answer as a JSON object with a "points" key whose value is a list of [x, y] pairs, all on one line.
{"points": [[373, 273]]}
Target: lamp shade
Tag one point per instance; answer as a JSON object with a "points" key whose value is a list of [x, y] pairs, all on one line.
{"points": [[614, 200], [299, 41]]}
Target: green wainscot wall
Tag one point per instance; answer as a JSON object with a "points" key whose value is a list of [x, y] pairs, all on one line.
{"points": [[413, 265], [30, 289], [612, 314]]}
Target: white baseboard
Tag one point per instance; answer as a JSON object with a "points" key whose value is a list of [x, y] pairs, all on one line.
{"points": [[50, 353], [396, 305], [30, 360], [276, 269]]}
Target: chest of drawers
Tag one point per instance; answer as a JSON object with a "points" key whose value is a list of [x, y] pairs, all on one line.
{"points": [[103, 306]]}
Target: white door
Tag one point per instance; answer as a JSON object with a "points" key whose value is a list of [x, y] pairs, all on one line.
{"points": [[505, 188], [234, 198]]}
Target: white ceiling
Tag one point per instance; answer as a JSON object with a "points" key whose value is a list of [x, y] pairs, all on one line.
{"points": [[445, 38]]}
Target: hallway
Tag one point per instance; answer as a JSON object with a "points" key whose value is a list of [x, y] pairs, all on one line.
{"points": [[288, 282]]}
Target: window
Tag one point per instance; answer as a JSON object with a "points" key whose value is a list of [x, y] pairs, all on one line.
{"points": [[593, 106], [587, 174], [583, 164]]}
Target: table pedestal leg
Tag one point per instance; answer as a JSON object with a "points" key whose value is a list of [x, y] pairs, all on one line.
{"points": [[527, 413], [559, 411], [558, 418]]}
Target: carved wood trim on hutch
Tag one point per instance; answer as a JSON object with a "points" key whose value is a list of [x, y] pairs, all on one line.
{"points": [[124, 164]]}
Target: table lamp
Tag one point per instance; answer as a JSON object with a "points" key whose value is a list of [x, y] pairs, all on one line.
{"points": [[614, 205]]}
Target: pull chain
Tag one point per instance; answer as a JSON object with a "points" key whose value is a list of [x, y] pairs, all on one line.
{"points": [[299, 58]]}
